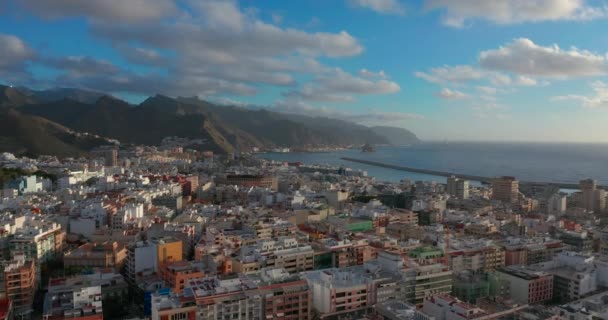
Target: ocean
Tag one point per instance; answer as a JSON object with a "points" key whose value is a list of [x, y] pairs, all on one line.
{"points": [[547, 162]]}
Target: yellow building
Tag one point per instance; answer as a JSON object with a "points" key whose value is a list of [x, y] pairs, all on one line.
{"points": [[168, 249]]}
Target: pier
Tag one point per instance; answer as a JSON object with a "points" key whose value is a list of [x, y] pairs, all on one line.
{"points": [[481, 179]]}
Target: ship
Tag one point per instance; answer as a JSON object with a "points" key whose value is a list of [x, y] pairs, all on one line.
{"points": [[368, 148]]}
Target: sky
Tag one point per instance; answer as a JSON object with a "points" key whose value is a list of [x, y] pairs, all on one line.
{"points": [[497, 70]]}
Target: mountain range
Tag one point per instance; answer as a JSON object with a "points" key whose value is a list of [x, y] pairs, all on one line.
{"points": [[55, 122]]}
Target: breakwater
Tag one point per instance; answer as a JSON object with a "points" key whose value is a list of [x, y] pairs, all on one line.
{"points": [[438, 173]]}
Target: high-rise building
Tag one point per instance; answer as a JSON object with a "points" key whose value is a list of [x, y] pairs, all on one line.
{"points": [[458, 188], [505, 189], [556, 204], [593, 199], [109, 155]]}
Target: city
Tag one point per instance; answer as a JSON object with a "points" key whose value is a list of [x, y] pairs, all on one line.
{"points": [[168, 233], [303, 160]]}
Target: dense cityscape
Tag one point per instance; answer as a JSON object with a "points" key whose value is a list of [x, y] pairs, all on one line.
{"points": [[303, 160], [172, 233]]}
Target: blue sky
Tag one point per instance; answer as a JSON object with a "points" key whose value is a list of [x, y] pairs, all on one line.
{"points": [[505, 70]]}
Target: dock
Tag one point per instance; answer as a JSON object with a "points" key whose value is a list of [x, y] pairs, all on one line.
{"points": [[481, 179]]}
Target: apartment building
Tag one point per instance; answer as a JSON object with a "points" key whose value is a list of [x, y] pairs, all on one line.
{"points": [[340, 292], [528, 286], [93, 254], [39, 240], [71, 298], [285, 296], [177, 274], [346, 253], [285, 253], [447, 307], [20, 283], [527, 252], [505, 189], [228, 298], [147, 256], [479, 256]]}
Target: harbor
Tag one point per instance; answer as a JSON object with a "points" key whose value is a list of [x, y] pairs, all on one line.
{"points": [[482, 179]]}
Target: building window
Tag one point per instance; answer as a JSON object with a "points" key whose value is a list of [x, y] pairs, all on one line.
{"points": [[179, 316]]}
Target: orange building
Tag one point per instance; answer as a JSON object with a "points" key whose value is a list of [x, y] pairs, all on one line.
{"points": [[20, 282], [177, 274]]}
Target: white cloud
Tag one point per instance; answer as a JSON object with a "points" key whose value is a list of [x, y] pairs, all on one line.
{"points": [[452, 74], [312, 93], [524, 57], [370, 116], [78, 66], [14, 56], [13, 51], [449, 94], [197, 48], [340, 86], [487, 90], [458, 13], [143, 56], [598, 100], [380, 6], [372, 75], [525, 81], [463, 74], [108, 10]]}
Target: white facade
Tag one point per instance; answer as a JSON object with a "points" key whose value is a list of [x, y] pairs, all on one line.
{"points": [[141, 257], [87, 296], [557, 204]]}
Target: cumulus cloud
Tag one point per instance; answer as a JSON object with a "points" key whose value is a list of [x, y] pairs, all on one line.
{"points": [[372, 75], [78, 66], [14, 55], [13, 51], [449, 94], [107, 10], [383, 117], [143, 56], [199, 48], [487, 90], [524, 57], [380, 6], [458, 13], [598, 100], [453, 74], [340, 86], [462, 74], [526, 81], [370, 116]]}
